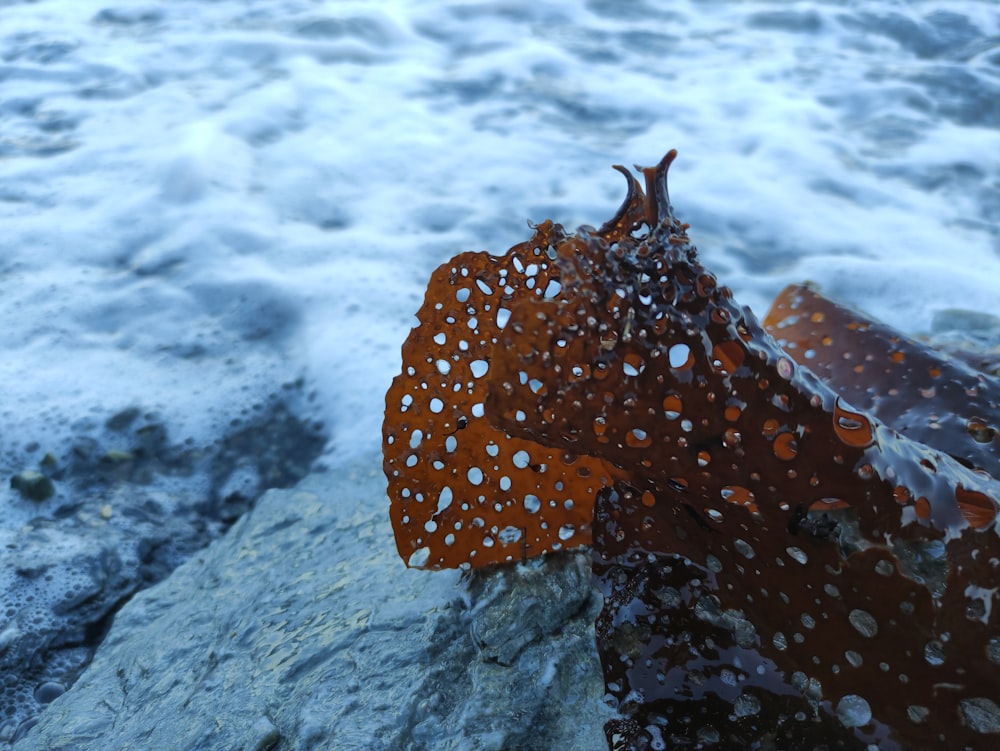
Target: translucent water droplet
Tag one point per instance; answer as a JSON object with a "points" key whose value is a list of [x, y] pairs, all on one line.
{"points": [[934, 652], [672, 406], [521, 459], [853, 658], [532, 504], [479, 368], [744, 548], [917, 713], [436, 405], [779, 641], [746, 705], [798, 554], [475, 475], [864, 622], [508, 535], [445, 498], [853, 711], [981, 714], [419, 557], [993, 649], [566, 531], [679, 355]]}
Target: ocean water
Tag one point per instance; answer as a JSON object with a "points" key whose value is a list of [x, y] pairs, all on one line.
{"points": [[202, 200]]}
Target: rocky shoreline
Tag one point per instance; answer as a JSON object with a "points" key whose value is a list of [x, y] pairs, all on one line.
{"points": [[301, 628]]}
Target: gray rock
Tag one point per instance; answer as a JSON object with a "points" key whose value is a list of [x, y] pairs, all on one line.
{"points": [[126, 507], [301, 628]]}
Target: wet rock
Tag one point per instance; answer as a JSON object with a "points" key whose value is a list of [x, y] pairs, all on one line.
{"points": [[301, 628], [112, 513]]}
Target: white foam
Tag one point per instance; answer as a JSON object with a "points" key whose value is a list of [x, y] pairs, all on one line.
{"points": [[202, 200]]}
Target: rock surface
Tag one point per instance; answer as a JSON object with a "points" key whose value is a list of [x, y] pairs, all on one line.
{"points": [[113, 513], [301, 628]]}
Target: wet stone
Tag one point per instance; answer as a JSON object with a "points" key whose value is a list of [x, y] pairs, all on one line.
{"points": [[329, 643]]}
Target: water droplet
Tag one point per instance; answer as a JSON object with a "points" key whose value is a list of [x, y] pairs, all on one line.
{"points": [[798, 554], [981, 714], [779, 641], [785, 446], [672, 406], [418, 558], [934, 652], [979, 430], [853, 658], [680, 356], [637, 438], [743, 548], [746, 705], [884, 568], [853, 428], [475, 475], [917, 713], [444, 499], [712, 563], [521, 459], [49, 691], [566, 531], [853, 711], [436, 405], [737, 494], [509, 534], [600, 426], [532, 503], [633, 364], [993, 649], [864, 622]]}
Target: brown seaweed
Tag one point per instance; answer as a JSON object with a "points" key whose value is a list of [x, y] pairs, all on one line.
{"points": [[921, 392], [463, 491], [780, 567]]}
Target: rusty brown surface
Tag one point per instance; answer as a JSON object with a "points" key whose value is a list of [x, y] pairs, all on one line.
{"points": [[763, 543]]}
